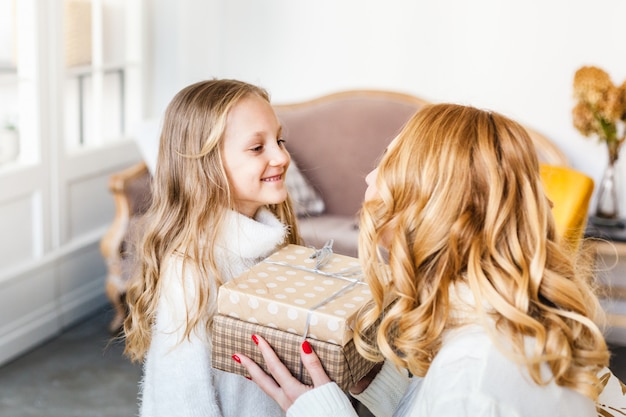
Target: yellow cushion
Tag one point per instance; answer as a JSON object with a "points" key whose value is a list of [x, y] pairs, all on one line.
{"points": [[570, 192]]}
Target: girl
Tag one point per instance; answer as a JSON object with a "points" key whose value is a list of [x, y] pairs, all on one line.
{"points": [[219, 206], [491, 316]]}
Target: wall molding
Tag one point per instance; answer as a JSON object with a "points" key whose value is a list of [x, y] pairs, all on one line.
{"points": [[38, 301]]}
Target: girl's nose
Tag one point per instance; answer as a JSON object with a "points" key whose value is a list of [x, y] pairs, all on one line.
{"points": [[279, 157]]}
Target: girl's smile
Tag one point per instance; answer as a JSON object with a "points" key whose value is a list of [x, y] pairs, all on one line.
{"points": [[272, 179]]}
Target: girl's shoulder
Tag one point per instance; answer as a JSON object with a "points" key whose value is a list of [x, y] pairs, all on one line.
{"points": [[178, 271]]}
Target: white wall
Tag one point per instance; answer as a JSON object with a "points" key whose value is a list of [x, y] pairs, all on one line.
{"points": [[184, 40], [515, 57]]}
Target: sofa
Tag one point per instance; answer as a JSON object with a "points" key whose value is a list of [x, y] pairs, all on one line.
{"points": [[334, 141]]}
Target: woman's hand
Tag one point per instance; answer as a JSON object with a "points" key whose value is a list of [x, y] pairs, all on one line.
{"points": [[283, 387]]}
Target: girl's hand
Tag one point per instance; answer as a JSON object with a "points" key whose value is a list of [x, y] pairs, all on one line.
{"points": [[283, 387]]}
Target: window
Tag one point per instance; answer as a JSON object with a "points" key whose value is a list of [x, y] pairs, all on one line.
{"points": [[69, 95], [102, 60], [17, 83], [99, 54]]}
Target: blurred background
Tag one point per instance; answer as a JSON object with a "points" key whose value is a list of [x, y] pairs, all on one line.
{"points": [[80, 79]]}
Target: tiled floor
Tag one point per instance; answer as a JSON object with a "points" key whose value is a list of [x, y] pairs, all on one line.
{"points": [[82, 373]]}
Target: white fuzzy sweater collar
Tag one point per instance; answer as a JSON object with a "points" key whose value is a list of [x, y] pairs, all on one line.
{"points": [[252, 238]]}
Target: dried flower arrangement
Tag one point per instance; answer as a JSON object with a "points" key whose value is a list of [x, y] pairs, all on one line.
{"points": [[600, 109]]}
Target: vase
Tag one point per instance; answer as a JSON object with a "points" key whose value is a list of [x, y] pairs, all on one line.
{"points": [[607, 212]]}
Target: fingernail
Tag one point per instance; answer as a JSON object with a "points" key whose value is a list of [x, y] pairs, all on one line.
{"points": [[306, 347], [249, 378], [255, 339], [236, 359]]}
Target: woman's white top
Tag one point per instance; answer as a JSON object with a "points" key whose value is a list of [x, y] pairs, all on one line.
{"points": [[469, 377]]}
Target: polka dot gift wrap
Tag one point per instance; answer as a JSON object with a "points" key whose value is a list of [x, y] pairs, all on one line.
{"points": [[287, 292], [285, 298]]}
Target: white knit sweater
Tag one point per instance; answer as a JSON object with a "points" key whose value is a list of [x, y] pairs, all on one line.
{"points": [[178, 379], [469, 377]]}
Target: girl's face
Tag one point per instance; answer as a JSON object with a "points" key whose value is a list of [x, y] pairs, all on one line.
{"points": [[254, 154]]}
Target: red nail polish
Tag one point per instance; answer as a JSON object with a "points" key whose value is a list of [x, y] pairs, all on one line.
{"points": [[249, 378], [236, 358], [255, 339], [306, 347]]}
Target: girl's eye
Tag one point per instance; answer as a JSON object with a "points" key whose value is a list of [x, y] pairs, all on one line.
{"points": [[258, 148], [281, 142]]}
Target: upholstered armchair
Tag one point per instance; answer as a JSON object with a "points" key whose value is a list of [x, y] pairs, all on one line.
{"points": [[131, 193]]}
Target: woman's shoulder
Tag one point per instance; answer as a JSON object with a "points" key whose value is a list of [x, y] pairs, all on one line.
{"points": [[471, 365], [464, 353]]}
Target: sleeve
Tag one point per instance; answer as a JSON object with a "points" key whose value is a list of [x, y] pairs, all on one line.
{"points": [[383, 395], [177, 373], [323, 401]]}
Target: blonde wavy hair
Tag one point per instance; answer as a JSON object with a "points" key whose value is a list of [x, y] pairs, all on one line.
{"points": [[190, 197], [460, 200]]}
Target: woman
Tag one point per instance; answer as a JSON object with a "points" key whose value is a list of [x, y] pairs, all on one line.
{"points": [[491, 316]]}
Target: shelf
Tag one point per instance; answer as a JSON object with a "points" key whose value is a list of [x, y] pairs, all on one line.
{"points": [[608, 240], [607, 248], [7, 69], [8, 75], [609, 243], [612, 233], [88, 70]]}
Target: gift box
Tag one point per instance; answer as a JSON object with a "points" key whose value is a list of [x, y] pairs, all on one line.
{"points": [[300, 290], [342, 364], [295, 293]]}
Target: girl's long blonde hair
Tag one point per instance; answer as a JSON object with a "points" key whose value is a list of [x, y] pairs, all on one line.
{"points": [[190, 197], [461, 201]]}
